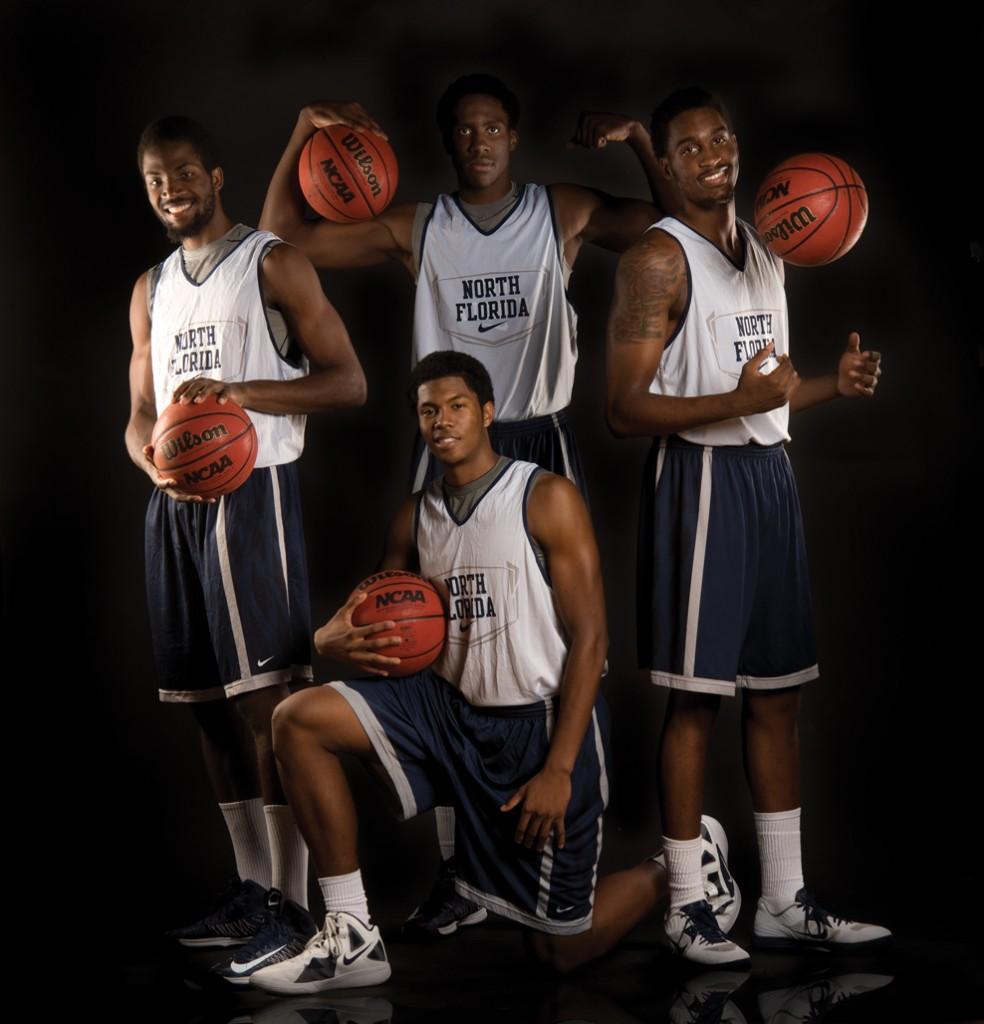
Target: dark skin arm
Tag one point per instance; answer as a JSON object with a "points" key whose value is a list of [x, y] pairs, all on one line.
{"points": [[359, 646], [336, 379], [650, 295], [595, 130], [559, 520], [328, 245], [143, 405], [588, 215]]}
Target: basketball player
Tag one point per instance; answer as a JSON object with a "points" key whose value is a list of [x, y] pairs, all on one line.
{"points": [[491, 262], [699, 359], [235, 314], [514, 548]]}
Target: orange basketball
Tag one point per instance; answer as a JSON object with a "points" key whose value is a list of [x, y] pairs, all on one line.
{"points": [[347, 175], [811, 209], [415, 606], [209, 447]]}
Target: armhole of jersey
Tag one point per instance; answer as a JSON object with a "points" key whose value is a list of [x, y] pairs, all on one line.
{"points": [[415, 527], [153, 279], [294, 356], [419, 254], [556, 229], [690, 292], [536, 475]]}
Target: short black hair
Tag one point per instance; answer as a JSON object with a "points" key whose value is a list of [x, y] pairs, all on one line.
{"points": [[176, 128], [472, 85], [451, 364], [690, 98]]}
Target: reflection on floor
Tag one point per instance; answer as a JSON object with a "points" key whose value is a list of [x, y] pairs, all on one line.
{"points": [[483, 975]]}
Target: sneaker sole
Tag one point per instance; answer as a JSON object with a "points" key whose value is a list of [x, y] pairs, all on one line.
{"points": [[821, 946], [371, 974], [476, 917], [214, 942]]}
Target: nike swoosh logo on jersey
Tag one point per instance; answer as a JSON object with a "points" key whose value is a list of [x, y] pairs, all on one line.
{"points": [[482, 328], [260, 664], [464, 626], [246, 968]]}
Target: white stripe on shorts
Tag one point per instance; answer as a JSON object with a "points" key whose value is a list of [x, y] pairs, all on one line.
{"points": [[278, 516], [697, 569], [603, 788], [563, 448], [229, 588], [547, 860]]}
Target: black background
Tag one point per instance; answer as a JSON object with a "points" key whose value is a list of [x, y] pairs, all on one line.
{"points": [[890, 488]]}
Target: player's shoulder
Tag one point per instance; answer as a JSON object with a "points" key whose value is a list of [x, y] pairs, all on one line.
{"points": [[656, 250], [550, 489]]}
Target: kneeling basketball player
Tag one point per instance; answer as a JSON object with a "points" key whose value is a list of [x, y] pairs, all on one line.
{"points": [[484, 730]]}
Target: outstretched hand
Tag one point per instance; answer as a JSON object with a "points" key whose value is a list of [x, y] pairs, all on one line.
{"points": [[325, 113], [338, 638], [857, 371], [544, 801]]}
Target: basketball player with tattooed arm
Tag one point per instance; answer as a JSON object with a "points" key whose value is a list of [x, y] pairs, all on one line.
{"points": [[491, 262], [507, 725], [699, 359], [235, 314]]}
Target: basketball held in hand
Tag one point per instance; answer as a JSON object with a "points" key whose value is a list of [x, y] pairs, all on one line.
{"points": [[415, 606], [347, 175], [208, 447]]}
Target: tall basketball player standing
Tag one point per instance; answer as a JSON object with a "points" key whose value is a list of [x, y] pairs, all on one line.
{"points": [[236, 314], [724, 601]]}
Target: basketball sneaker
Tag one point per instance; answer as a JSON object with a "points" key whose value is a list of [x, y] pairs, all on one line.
{"points": [[233, 920], [444, 911], [804, 924], [284, 933], [346, 953], [720, 888], [695, 935]]}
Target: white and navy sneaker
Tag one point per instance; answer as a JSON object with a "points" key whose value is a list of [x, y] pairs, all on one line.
{"points": [[233, 920], [284, 933], [720, 888], [346, 953], [444, 911], [695, 935], [814, 999], [804, 924]]}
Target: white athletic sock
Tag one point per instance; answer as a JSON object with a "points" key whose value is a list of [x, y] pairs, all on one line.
{"points": [[778, 837], [288, 854], [445, 831], [345, 892], [247, 830], [683, 868]]}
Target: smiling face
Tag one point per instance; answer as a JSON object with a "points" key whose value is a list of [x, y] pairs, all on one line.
{"points": [[453, 423], [481, 145], [181, 192], [701, 157]]}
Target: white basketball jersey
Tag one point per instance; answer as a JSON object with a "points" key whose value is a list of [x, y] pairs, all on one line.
{"points": [[499, 296], [505, 644], [733, 312], [218, 329]]}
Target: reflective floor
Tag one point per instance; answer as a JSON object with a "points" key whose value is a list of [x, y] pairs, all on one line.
{"points": [[484, 975]]}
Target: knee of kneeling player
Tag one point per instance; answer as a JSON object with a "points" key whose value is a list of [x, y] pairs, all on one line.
{"points": [[288, 720]]}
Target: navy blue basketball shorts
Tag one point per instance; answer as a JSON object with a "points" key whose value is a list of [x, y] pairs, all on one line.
{"points": [[438, 750], [547, 441], [227, 589], [723, 588]]}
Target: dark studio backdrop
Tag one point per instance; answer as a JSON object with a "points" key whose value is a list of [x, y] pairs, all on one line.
{"points": [[890, 488]]}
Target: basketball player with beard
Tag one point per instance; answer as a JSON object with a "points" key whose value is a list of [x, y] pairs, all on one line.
{"points": [[235, 314]]}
